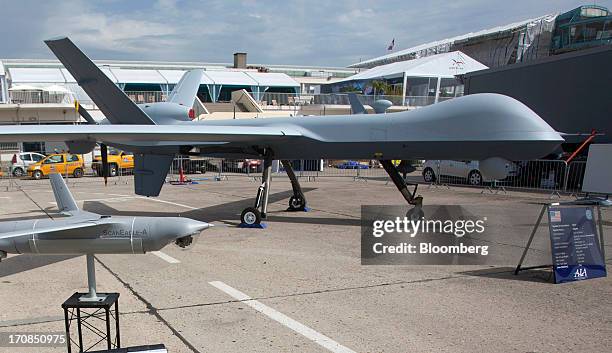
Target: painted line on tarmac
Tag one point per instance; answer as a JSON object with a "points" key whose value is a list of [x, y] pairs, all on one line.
{"points": [[103, 193], [165, 257], [170, 203], [283, 319], [111, 199]]}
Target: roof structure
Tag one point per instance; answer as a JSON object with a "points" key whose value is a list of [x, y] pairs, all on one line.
{"points": [[233, 78], [138, 76], [172, 76], [434, 47], [440, 65], [36, 75], [54, 75], [272, 79]]}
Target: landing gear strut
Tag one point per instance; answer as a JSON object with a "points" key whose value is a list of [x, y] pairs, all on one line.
{"points": [[417, 201], [252, 216], [297, 202]]}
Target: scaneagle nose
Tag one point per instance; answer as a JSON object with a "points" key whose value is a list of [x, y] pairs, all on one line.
{"points": [[180, 226], [190, 229], [180, 230], [191, 226]]}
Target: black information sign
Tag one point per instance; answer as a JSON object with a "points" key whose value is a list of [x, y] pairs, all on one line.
{"points": [[576, 252]]}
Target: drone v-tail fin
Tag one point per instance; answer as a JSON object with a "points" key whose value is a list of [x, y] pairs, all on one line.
{"points": [[186, 89], [356, 106], [63, 196]]}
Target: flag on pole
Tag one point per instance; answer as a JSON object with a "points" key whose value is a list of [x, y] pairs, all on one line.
{"points": [[390, 47]]}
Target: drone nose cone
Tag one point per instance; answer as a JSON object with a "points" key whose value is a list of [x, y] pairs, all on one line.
{"points": [[191, 226]]}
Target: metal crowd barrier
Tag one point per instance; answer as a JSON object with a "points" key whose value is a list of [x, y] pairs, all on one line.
{"points": [[548, 175], [554, 176]]}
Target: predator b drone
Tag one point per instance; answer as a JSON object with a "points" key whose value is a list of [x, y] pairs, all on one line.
{"points": [[491, 128]]}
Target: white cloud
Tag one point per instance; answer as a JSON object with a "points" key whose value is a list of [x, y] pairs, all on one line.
{"points": [[304, 32], [356, 16]]}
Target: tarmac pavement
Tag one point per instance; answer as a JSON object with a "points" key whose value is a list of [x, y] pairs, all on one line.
{"points": [[298, 285]]}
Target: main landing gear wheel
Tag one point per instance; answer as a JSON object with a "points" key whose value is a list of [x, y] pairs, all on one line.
{"points": [[297, 203], [250, 216]]}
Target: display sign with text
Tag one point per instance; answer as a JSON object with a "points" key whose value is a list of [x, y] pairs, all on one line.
{"points": [[576, 252]]}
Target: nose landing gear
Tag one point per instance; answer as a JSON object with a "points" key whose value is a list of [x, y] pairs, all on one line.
{"points": [[297, 202], [417, 201]]}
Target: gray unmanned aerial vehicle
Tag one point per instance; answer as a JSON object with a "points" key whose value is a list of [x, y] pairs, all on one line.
{"points": [[490, 128], [83, 232]]}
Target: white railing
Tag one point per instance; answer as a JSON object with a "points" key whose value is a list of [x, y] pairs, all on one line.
{"points": [[140, 97], [268, 100], [39, 97], [276, 100]]}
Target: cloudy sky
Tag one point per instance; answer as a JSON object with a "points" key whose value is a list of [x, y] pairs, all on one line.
{"points": [[332, 33]]}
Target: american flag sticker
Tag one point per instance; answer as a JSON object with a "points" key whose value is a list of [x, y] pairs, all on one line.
{"points": [[555, 216]]}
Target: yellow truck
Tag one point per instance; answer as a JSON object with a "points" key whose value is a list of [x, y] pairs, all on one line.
{"points": [[117, 160], [62, 163]]}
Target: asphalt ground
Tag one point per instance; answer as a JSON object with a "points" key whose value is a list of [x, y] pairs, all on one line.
{"points": [[298, 285]]}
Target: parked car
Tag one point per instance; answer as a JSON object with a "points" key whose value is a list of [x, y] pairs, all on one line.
{"points": [[21, 162], [467, 170], [117, 160], [242, 165], [351, 165], [62, 163]]}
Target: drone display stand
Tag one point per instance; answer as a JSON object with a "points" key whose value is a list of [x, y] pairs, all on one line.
{"points": [[90, 311]]}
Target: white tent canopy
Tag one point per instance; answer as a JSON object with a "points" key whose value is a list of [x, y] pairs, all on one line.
{"points": [[273, 79], [138, 76], [235, 78], [36, 75], [105, 70], [143, 76], [440, 65], [172, 76], [25, 88], [56, 89], [258, 82]]}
